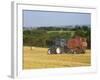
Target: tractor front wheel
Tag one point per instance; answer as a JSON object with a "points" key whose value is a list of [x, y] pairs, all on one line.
{"points": [[49, 51]]}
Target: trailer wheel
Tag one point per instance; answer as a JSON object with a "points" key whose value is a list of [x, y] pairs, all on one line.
{"points": [[83, 51], [58, 50]]}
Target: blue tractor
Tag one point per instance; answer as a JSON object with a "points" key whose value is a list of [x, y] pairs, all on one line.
{"points": [[59, 46]]}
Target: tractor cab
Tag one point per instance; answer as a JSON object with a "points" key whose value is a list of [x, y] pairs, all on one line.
{"points": [[60, 42], [58, 46]]}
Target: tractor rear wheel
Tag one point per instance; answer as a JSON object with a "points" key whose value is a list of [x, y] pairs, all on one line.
{"points": [[58, 50]]}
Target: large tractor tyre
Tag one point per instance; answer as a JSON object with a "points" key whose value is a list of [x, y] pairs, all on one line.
{"points": [[58, 50]]}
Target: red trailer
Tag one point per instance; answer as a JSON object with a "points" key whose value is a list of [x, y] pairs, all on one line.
{"points": [[77, 45]]}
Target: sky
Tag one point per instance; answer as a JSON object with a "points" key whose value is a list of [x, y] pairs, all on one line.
{"points": [[47, 18]]}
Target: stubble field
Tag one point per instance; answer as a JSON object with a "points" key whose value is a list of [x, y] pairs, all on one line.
{"points": [[38, 58]]}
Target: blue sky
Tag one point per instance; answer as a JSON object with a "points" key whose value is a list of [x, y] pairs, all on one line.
{"points": [[44, 18]]}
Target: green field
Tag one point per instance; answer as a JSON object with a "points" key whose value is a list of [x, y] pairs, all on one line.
{"points": [[38, 58], [61, 31]]}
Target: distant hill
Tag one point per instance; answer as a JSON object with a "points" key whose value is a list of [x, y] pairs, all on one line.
{"points": [[63, 27]]}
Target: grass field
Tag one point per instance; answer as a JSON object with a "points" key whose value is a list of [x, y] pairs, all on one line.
{"points": [[38, 58]]}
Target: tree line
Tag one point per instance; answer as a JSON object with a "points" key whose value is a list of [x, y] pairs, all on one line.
{"points": [[44, 36]]}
